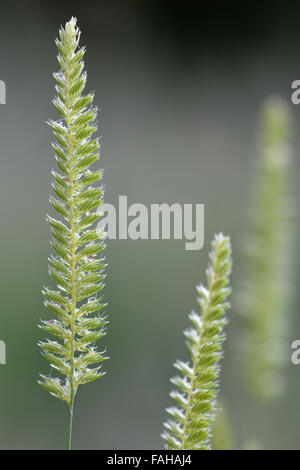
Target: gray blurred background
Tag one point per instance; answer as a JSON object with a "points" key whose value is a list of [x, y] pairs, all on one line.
{"points": [[180, 86]]}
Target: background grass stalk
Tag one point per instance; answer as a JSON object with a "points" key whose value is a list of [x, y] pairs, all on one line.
{"points": [[265, 290]]}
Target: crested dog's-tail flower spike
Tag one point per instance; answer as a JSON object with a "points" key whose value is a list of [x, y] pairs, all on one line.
{"points": [[75, 266], [266, 290], [197, 385]]}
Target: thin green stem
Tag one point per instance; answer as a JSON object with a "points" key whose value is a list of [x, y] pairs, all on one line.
{"points": [[69, 435]]}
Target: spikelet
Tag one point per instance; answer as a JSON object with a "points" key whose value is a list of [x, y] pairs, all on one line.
{"points": [[196, 387], [265, 288], [76, 266]]}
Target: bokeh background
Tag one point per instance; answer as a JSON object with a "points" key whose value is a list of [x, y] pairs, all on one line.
{"points": [[180, 86]]}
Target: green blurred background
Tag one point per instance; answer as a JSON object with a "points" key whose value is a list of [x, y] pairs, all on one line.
{"points": [[180, 87]]}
